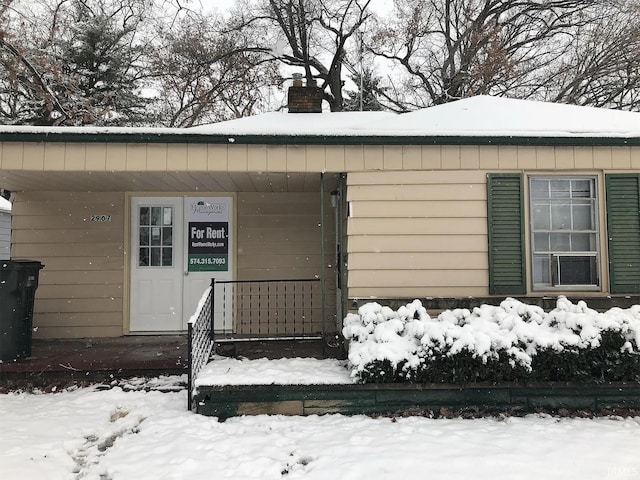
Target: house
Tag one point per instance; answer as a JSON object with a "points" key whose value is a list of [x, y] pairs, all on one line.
{"points": [[5, 228], [466, 202]]}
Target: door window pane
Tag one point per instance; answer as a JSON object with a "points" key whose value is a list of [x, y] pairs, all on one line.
{"points": [[155, 236], [143, 257], [167, 216], [144, 236], [155, 257], [167, 257], [156, 215], [144, 216], [167, 236]]}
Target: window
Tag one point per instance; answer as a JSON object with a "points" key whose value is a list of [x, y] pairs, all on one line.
{"points": [[564, 232], [155, 236]]}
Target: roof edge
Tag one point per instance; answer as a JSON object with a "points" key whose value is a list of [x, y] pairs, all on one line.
{"points": [[202, 138]]}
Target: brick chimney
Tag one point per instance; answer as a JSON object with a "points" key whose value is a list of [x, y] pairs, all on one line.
{"points": [[304, 99]]}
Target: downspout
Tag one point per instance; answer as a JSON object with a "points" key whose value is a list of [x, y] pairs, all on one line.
{"points": [[322, 263], [342, 253], [337, 202]]}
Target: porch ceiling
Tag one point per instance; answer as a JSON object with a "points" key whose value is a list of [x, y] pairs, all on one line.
{"points": [[162, 181]]}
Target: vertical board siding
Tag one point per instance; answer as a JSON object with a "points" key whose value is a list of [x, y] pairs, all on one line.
{"points": [[82, 295], [623, 222], [142, 157], [506, 234], [418, 233]]}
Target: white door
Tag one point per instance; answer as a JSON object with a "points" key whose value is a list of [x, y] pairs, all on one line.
{"points": [[178, 244], [157, 264]]}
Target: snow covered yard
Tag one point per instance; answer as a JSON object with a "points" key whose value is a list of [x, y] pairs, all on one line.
{"points": [[91, 433]]}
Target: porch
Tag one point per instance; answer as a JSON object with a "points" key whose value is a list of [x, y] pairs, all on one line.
{"points": [[62, 362]]}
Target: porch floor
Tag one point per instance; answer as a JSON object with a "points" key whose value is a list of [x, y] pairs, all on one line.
{"points": [[80, 360], [96, 359]]}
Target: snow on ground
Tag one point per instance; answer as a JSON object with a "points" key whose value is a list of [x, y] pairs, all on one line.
{"points": [[115, 434], [142, 430], [284, 371]]}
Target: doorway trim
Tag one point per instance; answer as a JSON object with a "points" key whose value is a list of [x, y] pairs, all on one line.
{"points": [[126, 306]]}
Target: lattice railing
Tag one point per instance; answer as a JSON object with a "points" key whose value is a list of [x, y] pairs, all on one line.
{"points": [[244, 310], [268, 309]]}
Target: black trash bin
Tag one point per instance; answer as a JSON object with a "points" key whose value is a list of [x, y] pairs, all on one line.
{"points": [[18, 283]]}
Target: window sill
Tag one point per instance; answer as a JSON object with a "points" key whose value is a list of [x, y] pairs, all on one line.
{"points": [[566, 288]]}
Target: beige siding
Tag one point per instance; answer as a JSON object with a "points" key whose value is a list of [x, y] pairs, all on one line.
{"points": [[418, 233], [163, 167], [81, 287], [279, 237], [418, 228]]}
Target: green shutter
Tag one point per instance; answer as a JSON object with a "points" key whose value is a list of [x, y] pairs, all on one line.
{"points": [[505, 216], [623, 229]]}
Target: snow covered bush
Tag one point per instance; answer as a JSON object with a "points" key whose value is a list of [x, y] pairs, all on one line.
{"points": [[510, 342]]}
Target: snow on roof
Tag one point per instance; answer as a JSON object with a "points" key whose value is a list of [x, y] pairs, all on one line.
{"points": [[283, 123], [499, 116], [92, 130], [470, 117], [481, 116]]}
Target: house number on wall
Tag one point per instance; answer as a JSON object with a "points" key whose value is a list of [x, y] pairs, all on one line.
{"points": [[100, 218]]}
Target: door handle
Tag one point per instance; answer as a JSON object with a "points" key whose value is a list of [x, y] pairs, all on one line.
{"points": [[186, 273]]}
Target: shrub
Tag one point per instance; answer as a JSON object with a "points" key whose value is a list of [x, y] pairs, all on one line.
{"points": [[512, 342]]}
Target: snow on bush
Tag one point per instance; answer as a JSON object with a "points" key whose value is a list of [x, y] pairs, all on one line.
{"points": [[510, 342]]}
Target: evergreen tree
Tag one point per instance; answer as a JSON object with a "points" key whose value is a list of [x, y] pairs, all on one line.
{"points": [[72, 62], [100, 62], [368, 90]]}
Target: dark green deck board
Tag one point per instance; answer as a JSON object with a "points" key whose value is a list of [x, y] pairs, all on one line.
{"points": [[226, 401]]}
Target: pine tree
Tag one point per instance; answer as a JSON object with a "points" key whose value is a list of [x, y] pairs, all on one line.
{"points": [[371, 85], [72, 62], [100, 64]]}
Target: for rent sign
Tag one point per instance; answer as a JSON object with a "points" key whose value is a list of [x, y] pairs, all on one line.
{"points": [[208, 234]]}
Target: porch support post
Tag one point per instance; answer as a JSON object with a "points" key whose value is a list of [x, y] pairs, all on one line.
{"points": [[212, 296], [190, 366], [323, 265]]}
